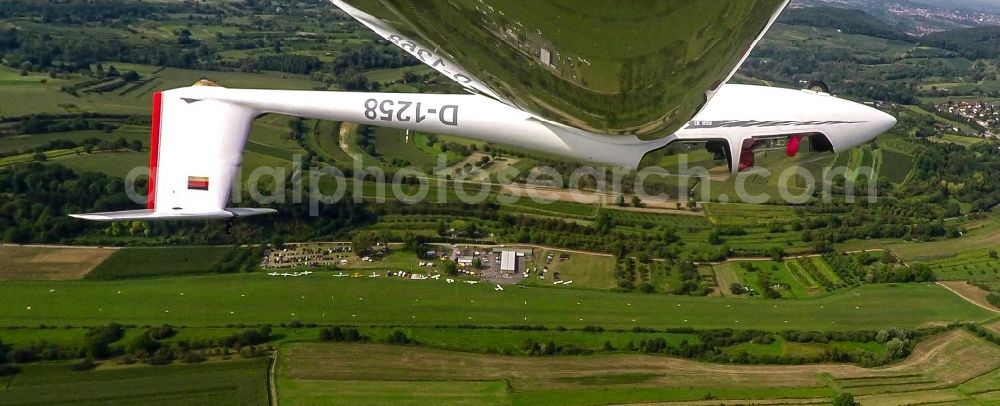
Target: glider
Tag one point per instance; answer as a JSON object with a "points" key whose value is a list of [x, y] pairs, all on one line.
{"points": [[593, 80]]}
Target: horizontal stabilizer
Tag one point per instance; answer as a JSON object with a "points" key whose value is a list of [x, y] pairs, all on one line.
{"points": [[147, 214]]}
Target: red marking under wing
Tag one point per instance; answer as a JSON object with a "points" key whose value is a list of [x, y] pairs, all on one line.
{"points": [[154, 149], [197, 182]]}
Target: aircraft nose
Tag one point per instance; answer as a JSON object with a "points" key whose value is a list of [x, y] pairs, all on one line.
{"points": [[883, 122], [875, 122]]}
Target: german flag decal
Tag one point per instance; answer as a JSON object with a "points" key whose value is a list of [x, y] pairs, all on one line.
{"points": [[198, 182]]}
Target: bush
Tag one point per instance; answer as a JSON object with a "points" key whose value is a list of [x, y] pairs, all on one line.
{"points": [[844, 399], [646, 287], [338, 334], [399, 337], [162, 356], [84, 365], [7, 369], [192, 357], [252, 352], [994, 299]]}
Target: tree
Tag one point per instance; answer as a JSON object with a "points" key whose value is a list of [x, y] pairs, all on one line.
{"points": [[604, 222], [450, 268], [142, 342], [714, 238], [636, 201], [993, 254], [362, 243], [97, 340], [646, 287], [131, 76], [845, 399]]}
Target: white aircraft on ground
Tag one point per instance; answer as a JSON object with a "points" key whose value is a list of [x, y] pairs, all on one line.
{"points": [[603, 81]]}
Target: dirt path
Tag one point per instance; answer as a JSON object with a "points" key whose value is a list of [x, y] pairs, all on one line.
{"points": [[970, 293], [541, 247], [272, 391], [347, 128]]}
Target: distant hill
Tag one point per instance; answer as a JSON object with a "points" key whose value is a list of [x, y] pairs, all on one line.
{"points": [[850, 21], [972, 43]]}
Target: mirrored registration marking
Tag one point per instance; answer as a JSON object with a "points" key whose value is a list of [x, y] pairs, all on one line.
{"points": [[406, 111]]}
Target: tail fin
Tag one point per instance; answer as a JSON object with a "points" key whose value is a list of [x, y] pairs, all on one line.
{"points": [[196, 146]]}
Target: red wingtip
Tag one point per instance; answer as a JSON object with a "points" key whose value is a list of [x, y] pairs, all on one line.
{"points": [[154, 149]]}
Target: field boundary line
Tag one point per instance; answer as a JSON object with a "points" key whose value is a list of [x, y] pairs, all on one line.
{"points": [[967, 299], [80, 247]]}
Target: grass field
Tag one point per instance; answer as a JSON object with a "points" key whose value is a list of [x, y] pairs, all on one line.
{"points": [[115, 164], [322, 298], [586, 271], [239, 382], [165, 261], [30, 141], [33, 263]]}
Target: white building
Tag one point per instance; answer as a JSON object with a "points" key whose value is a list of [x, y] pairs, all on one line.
{"points": [[508, 261]]}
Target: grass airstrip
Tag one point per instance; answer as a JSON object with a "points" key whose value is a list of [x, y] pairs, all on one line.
{"points": [[325, 299]]}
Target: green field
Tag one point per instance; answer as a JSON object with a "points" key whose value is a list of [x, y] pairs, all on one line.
{"points": [[391, 144], [240, 382], [322, 298], [31, 96], [165, 261]]}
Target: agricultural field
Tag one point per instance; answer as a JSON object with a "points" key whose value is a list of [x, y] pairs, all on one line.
{"points": [[783, 276], [161, 261], [321, 298], [896, 165], [962, 140], [795, 278], [45, 263], [38, 94], [241, 382], [956, 366], [978, 236], [393, 144], [648, 220], [975, 265], [748, 215]]}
